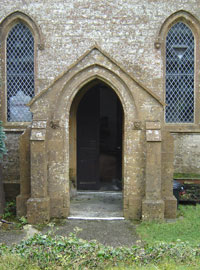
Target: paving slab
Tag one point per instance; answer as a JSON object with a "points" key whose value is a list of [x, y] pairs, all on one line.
{"points": [[10, 237], [97, 204]]}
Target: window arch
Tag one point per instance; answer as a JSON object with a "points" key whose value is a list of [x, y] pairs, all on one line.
{"points": [[21, 38], [179, 81], [19, 73], [180, 32]]}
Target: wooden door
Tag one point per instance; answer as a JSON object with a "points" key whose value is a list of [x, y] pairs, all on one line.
{"points": [[88, 141]]}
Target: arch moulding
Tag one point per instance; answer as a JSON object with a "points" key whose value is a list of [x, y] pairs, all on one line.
{"points": [[18, 16], [181, 15], [87, 75]]}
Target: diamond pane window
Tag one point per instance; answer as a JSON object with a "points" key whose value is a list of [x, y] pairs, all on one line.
{"points": [[179, 74], [20, 73]]}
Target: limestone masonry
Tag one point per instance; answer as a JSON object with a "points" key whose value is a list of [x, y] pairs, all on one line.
{"points": [[80, 45]]}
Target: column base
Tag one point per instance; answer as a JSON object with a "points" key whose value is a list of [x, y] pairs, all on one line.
{"points": [[21, 201], [59, 207], [153, 210], [170, 207], [133, 210], [38, 210]]}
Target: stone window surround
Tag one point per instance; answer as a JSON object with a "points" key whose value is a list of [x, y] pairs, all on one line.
{"points": [[194, 24], [5, 26]]}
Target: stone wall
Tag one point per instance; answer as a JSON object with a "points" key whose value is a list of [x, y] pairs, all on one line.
{"points": [[11, 166], [127, 30], [11, 160], [187, 149]]}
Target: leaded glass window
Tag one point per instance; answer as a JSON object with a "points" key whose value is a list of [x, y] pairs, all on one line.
{"points": [[179, 74], [19, 72]]}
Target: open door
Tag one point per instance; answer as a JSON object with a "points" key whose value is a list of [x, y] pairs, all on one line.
{"points": [[88, 141], [99, 140]]}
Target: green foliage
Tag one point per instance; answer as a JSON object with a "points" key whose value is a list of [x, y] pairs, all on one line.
{"points": [[58, 252], [10, 210], [185, 228], [10, 215], [2, 141], [23, 220]]}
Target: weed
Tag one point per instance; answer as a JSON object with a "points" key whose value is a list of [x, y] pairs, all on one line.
{"points": [[10, 215], [23, 220], [10, 210]]}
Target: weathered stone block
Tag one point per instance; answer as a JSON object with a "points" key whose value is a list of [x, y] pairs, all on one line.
{"points": [[59, 207], [134, 210], [38, 134], [153, 210], [38, 124], [38, 210], [153, 125], [153, 135]]}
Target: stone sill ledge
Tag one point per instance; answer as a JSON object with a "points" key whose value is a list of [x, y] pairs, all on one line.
{"points": [[14, 129], [184, 131], [11, 182]]}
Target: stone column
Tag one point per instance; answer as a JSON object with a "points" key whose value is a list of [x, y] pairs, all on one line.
{"points": [[134, 172], [25, 181], [153, 205], [38, 206], [167, 175]]}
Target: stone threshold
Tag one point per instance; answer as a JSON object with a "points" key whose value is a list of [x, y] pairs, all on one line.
{"points": [[98, 192], [96, 218]]}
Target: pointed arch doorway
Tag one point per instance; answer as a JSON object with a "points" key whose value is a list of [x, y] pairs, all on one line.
{"points": [[95, 151], [99, 120]]}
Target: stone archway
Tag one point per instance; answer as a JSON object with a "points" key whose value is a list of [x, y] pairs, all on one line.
{"points": [[56, 202], [130, 113], [62, 115], [50, 142]]}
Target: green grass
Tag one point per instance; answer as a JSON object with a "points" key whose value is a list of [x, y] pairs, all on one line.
{"points": [[186, 175], [15, 262], [164, 265], [185, 228]]}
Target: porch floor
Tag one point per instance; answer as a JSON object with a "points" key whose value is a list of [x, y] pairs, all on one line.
{"points": [[106, 205]]}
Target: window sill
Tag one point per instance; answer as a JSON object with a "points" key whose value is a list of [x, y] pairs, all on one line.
{"points": [[15, 126], [183, 128]]}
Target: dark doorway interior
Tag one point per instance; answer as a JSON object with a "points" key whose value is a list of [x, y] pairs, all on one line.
{"points": [[99, 140]]}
